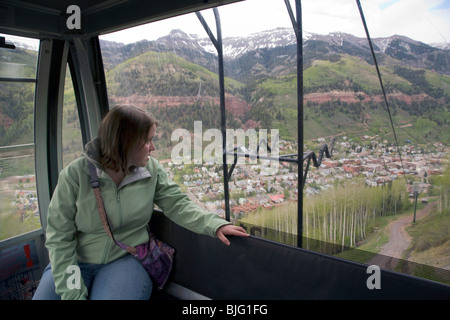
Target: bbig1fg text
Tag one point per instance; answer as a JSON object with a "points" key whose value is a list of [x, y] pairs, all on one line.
{"points": [[243, 309]]}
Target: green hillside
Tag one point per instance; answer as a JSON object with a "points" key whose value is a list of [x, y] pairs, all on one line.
{"points": [[420, 112], [164, 74], [342, 97], [342, 93], [345, 72]]}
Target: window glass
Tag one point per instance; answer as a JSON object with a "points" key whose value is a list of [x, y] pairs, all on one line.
{"points": [[21, 61], [376, 181], [18, 198]]}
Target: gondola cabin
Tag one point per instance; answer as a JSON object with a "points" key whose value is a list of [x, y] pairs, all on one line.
{"points": [[61, 70]]}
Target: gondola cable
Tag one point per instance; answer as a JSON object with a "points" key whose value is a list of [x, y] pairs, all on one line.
{"points": [[381, 82]]}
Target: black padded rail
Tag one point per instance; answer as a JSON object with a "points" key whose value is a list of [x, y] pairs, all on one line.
{"points": [[253, 268]]}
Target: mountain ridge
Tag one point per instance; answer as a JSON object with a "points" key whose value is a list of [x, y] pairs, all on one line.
{"points": [[341, 88], [336, 42], [274, 52], [176, 79]]}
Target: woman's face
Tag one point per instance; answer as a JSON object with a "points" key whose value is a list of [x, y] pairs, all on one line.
{"points": [[139, 156]]}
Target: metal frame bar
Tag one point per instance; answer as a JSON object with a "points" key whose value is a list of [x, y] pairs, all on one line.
{"points": [[298, 32], [218, 45], [91, 108], [17, 147], [88, 79], [298, 158], [52, 62], [9, 79]]}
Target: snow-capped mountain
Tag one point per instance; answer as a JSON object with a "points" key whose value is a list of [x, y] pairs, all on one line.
{"points": [[275, 49], [237, 46], [233, 47], [396, 46]]}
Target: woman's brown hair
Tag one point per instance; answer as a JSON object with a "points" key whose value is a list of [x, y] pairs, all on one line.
{"points": [[123, 129]]}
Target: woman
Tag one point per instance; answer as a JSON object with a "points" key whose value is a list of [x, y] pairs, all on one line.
{"points": [[131, 183]]}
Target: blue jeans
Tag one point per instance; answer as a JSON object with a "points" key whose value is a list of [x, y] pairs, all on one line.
{"points": [[123, 279]]}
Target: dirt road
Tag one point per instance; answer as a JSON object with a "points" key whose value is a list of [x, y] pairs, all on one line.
{"points": [[399, 240]]}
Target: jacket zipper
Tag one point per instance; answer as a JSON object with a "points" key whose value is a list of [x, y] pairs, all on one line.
{"points": [[110, 242], [119, 207], [107, 250]]}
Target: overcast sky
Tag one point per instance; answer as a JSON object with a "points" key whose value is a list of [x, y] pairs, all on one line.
{"points": [[423, 20]]}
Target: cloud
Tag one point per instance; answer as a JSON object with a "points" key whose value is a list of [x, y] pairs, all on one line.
{"points": [[422, 20], [386, 4], [414, 18]]}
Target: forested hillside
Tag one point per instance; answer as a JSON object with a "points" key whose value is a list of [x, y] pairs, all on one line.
{"points": [[16, 99], [342, 90]]}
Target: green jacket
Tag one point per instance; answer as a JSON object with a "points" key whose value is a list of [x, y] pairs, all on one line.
{"points": [[75, 233]]}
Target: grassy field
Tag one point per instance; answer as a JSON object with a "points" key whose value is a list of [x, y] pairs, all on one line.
{"points": [[430, 241]]}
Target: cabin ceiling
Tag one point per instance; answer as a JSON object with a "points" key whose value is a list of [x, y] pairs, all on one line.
{"points": [[47, 18]]}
